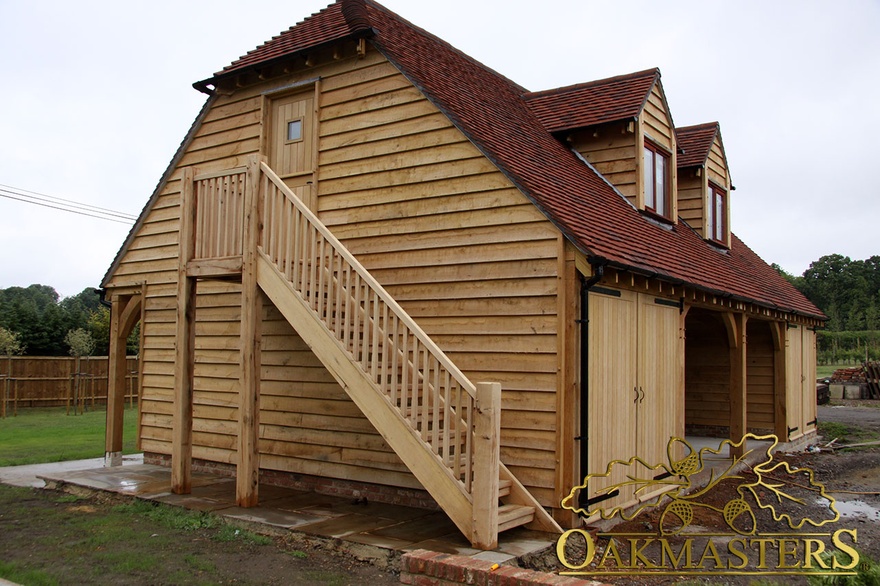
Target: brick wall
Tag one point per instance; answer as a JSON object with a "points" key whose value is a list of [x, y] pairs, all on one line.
{"points": [[379, 493], [429, 568]]}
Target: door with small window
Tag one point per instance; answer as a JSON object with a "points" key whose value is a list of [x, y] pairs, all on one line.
{"points": [[291, 143]]}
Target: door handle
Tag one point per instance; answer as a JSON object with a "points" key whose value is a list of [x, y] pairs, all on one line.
{"points": [[642, 396], [636, 391]]}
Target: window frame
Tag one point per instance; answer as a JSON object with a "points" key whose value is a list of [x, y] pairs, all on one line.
{"points": [[301, 122], [650, 165], [717, 232]]}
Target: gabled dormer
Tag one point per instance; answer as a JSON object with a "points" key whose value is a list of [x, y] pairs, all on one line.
{"points": [[623, 127], [704, 182]]}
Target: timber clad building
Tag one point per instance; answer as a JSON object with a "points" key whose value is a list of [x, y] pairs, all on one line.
{"points": [[375, 264]]}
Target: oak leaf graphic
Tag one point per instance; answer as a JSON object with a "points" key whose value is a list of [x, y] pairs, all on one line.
{"points": [[777, 487]]}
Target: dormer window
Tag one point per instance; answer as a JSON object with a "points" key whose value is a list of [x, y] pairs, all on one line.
{"points": [[657, 180], [717, 216]]}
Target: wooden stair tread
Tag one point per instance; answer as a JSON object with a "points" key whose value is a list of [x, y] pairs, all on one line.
{"points": [[504, 488], [510, 516]]}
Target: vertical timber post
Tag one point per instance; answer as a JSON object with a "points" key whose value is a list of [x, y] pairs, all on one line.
{"points": [[181, 449], [487, 455], [116, 384], [780, 413], [247, 475], [738, 385]]}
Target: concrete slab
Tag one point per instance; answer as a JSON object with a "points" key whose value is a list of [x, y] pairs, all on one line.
{"points": [[30, 475]]}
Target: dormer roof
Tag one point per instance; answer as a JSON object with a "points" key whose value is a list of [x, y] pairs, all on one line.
{"points": [[512, 128], [596, 102], [695, 143]]}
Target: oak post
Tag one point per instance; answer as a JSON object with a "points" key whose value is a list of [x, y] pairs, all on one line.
{"points": [[248, 469], [116, 385], [181, 449], [738, 385], [487, 455]]}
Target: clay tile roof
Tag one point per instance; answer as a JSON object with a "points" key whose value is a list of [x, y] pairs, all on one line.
{"points": [[509, 129], [694, 143], [345, 18], [596, 102]]}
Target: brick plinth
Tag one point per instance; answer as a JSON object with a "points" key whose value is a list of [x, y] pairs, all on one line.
{"points": [[429, 568], [379, 493]]}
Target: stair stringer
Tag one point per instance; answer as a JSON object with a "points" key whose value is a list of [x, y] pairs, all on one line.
{"points": [[428, 469]]}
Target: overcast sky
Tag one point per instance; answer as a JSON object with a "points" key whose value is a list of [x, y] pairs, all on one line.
{"points": [[95, 96]]}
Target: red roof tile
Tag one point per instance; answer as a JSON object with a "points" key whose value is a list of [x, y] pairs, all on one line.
{"points": [[337, 21], [694, 143], [509, 129], [596, 102]]}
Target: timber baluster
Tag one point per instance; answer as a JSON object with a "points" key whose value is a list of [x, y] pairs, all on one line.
{"points": [[405, 368]]}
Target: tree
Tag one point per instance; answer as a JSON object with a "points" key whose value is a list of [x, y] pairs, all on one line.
{"points": [[10, 344], [80, 342], [99, 327], [78, 308], [798, 282], [42, 319]]}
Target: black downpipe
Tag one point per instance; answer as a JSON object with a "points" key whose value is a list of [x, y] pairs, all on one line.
{"points": [[584, 321], [102, 298]]}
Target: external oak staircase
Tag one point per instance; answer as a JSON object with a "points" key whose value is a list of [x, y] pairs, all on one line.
{"points": [[246, 222]]}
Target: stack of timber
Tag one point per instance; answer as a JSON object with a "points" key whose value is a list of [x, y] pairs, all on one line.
{"points": [[872, 376]]}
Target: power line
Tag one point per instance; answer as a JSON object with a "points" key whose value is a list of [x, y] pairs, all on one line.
{"points": [[43, 196], [65, 205]]}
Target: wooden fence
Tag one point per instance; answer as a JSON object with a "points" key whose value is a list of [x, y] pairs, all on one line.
{"points": [[59, 381]]}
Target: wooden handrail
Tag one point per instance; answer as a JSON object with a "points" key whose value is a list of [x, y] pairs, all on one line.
{"points": [[400, 358], [350, 259]]}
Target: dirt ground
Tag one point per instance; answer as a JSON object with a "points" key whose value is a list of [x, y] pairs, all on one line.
{"points": [[851, 477], [48, 537]]}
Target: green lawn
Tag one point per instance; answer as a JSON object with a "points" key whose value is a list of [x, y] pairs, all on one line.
{"points": [[48, 435], [825, 370]]}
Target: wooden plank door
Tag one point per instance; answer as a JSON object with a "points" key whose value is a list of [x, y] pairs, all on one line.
{"points": [[661, 402], [291, 142], [794, 381], [612, 385], [808, 389]]}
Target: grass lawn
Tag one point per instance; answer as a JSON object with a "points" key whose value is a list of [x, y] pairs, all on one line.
{"points": [[50, 539], [826, 370], [48, 435]]}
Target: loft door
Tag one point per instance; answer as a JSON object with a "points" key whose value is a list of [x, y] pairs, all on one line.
{"points": [[291, 143]]}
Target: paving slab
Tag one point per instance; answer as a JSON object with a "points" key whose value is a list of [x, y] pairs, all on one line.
{"points": [[381, 526], [30, 474]]}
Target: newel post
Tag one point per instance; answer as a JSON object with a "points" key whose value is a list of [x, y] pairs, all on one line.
{"points": [[185, 342], [247, 473], [487, 456]]}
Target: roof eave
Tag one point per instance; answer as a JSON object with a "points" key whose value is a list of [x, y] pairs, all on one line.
{"points": [[204, 85], [649, 273]]}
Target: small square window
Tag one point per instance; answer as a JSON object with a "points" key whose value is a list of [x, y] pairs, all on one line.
{"points": [[294, 130]]}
